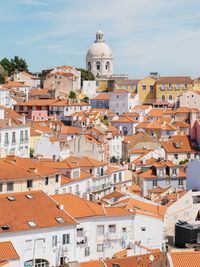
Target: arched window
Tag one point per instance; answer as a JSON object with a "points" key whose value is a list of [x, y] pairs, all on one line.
{"points": [[107, 65], [89, 66], [163, 98], [98, 65], [170, 97]]}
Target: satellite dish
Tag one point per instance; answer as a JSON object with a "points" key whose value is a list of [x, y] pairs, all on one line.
{"points": [[151, 257]]}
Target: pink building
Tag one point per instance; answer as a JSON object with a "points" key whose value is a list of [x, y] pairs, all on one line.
{"points": [[38, 115], [194, 131]]}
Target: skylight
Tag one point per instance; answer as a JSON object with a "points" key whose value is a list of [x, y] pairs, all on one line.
{"points": [[5, 228], [29, 196], [60, 220], [32, 224], [11, 198]]}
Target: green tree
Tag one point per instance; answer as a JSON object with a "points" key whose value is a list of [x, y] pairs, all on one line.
{"points": [[86, 99], [72, 94], [86, 75], [14, 64], [2, 78]]}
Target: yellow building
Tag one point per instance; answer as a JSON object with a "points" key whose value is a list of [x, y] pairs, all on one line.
{"points": [[34, 136], [147, 90], [129, 85], [167, 88]]}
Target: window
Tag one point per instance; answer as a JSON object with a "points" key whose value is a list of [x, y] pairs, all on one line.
{"points": [[87, 251], [170, 97], [188, 155], [29, 183], [98, 65], [6, 139], [154, 183], [69, 189], [13, 138], [185, 86], [144, 87], [170, 86], [89, 66], [143, 229], [90, 170], [54, 240], [180, 182], [107, 65], [60, 220], [174, 171], [11, 198], [163, 87], [9, 186], [1, 187], [100, 229], [77, 190], [123, 245], [115, 178], [29, 196], [175, 156], [120, 176], [177, 86], [32, 224], [161, 172], [46, 180], [99, 247], [57, 178], [123, 229], [79, 232], [151, 87], [21, 136], [112, 228], [26, 135], [163, 97], [66, 239]]}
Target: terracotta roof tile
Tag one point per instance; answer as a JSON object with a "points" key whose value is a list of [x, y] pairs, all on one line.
{"points": [[7, 251], [185, 258], [101, 97]]}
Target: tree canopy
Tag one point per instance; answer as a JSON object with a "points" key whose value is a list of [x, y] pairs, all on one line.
{"points": [[86, 75], [72, 94], [15, 64], [2, 78]]}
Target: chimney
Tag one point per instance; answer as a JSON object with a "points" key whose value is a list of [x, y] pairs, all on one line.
{"points": [[23, 120], [9, 122], [177, 196], [144, 161]]}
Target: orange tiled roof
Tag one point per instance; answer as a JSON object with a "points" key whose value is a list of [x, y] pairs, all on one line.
{"points": [[70, 130], [156, 112], [86, 162], [7, 251], [83, 175], [80, 208], [120, 91], [101, 97], [175, 79], [30, 75], [131, 261], [143, 107], [41, 209], [42, 91], [132, 138], [178, 144], [38, 102], [185, 258], [15, 84], [125, 119]]}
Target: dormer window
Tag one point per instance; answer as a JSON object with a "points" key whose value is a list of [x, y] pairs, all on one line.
{"points": [[5, 227], [32, 224], [60, 220]]}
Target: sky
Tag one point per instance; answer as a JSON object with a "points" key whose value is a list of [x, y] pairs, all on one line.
{"points": [[145, 35]]}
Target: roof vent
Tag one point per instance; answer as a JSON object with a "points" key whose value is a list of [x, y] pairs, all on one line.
{"points": [[61, 207]]}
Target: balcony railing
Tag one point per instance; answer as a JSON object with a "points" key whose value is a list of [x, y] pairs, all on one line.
{"points": [[101, 187]]}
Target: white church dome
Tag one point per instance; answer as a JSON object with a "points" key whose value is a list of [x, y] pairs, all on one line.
{"points": [[99, 50], [99, 58]]}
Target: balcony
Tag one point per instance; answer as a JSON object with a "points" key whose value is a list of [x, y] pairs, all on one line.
{"points": [[81, 240], [101, 187]]}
